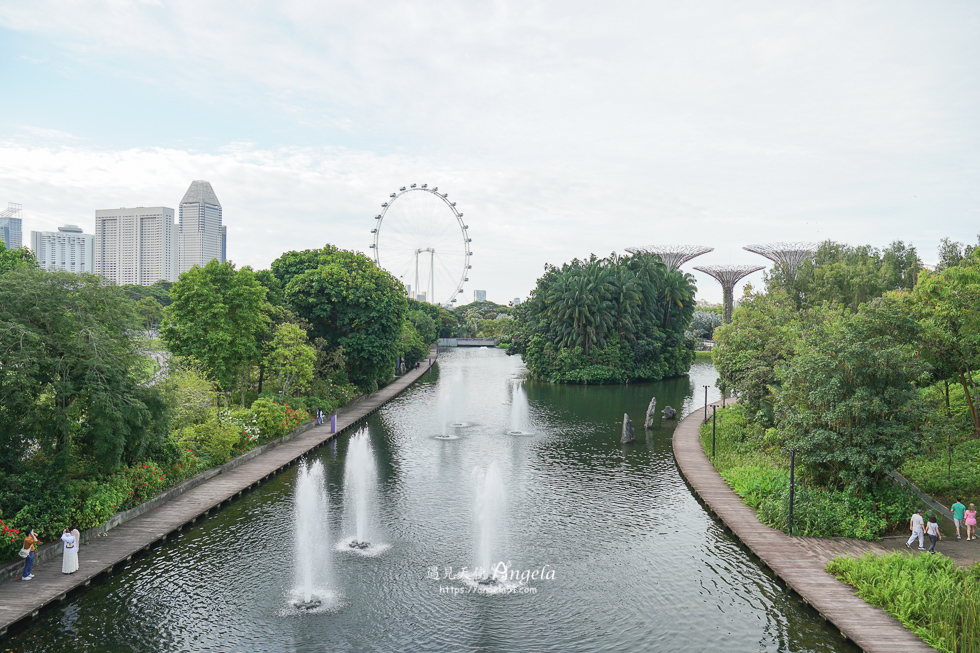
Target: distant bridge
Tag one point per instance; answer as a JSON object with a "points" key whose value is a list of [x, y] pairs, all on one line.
{"points": [[467, 342]]}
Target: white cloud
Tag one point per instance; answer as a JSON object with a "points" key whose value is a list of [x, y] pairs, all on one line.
{"points": [[562, 128]]}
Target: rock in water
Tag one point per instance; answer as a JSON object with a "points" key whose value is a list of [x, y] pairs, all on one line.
{"points": [[669, 413], [651, 414], [628, 435]]}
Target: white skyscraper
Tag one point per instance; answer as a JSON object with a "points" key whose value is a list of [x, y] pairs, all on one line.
{"points": [[137, 245], [202, 237], [66, 249], [10, 226], [479, 295]]}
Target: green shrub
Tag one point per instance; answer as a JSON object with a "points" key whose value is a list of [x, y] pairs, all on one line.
{"points": [[929, 594], [271, 418], [11, 539], [99, 501], [212, 440], [754, 484]]}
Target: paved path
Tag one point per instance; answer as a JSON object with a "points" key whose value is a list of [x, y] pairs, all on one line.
{"points": [[799, 561], [20, 600]]}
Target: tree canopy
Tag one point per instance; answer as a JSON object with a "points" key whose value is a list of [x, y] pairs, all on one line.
{"points": [[349, 303], [849, 401], [217, 318], [847, 275], [69, 374], [606, 321]]}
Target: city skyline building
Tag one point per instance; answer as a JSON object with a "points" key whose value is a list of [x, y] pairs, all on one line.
{"points": [[201, 235], [11, 226], [479, 295], [67, 249], [136, 245]]}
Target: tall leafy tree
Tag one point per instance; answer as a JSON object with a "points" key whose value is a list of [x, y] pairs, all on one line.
{"points": [[68, 373], [217, 317], [349, 302], [290, 358], [948, 305], [760, 340], [849, 401], [16, 259]]}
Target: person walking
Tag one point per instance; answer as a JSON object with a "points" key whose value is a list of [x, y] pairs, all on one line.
{"points": [[932, 530], [970, 517], [916, 525], [30, 542], [69, 562], [958, 509]]}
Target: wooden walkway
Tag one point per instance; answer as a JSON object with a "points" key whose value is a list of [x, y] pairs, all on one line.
{"points": [[20, 600], [798, 561]]}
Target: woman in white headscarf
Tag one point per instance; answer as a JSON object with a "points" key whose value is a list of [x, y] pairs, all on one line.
{"points": [[69, 563]]}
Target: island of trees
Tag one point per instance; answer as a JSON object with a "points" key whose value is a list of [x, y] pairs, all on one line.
{"points": [[609, 320]]}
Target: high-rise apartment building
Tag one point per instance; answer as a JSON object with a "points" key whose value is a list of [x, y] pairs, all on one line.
{"points": [[10, 226], [136, 245], [201, 234], [479, 295], [224, 243], [66, 249]]}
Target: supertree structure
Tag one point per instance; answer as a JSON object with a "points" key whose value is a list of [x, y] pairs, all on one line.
{"points": [[673, 256], [728, 276], [789, 255]]}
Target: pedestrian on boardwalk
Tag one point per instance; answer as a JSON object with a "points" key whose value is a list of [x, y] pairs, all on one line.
{"points": [[932, 530], [30, 542], [916, 525], [971, 522], [69, 562], [319, 416], [958, 509]]}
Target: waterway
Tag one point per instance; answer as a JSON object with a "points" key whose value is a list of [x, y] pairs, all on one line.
{"points": [[627, 559]]}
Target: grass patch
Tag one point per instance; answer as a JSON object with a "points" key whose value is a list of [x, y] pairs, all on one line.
{"points": [[929, 594], [702, 357], [754, 464]]}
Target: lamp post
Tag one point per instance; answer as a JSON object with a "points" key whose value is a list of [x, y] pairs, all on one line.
{"points": [[706, 403], [792, 486], [713, 408]]}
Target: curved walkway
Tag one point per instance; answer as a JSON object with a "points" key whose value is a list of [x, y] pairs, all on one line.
{"points": [[19, 600], [799, 562]]}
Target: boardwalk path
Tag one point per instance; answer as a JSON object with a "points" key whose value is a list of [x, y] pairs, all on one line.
{"points": [[21, 600], [798, 561]]}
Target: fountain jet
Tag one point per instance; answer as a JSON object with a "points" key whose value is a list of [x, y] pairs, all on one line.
{"points": [[311, 526], [489, 518], [519, 412], [360, 491]]}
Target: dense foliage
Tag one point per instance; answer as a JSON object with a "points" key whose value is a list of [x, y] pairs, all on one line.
{"points": [[871, 378], [90, 426], [606, 320], [217, 318], [849, 401], [930, 595], [754, 462], [848, 276], [69, 393], [349, 303]]}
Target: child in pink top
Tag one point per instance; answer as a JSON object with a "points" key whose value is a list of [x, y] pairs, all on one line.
{"points": [[971, 522]]}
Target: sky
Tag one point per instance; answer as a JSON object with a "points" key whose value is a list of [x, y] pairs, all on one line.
{"points": [[561, 129]]}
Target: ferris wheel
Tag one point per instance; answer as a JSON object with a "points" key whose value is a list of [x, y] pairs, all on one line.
{"points": [[420, 237]]}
